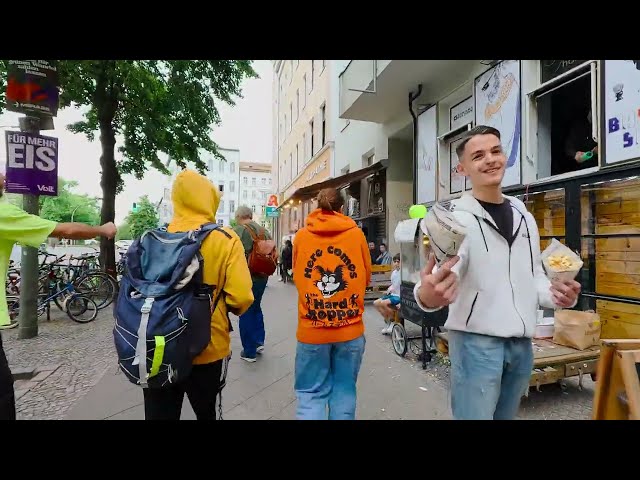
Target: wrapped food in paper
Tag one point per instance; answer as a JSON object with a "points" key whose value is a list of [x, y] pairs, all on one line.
{"points": [[560, 262], [445, 233]]}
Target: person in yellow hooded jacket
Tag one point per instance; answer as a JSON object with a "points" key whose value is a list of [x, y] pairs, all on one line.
{"points": [[195, 202]]}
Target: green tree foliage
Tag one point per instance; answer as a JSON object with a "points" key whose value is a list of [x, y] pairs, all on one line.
{"points": [[145, 218], [124, 232], [152, 106], [68, 206]]}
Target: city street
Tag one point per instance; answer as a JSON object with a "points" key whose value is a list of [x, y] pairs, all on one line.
{"points": [[77, 375]]}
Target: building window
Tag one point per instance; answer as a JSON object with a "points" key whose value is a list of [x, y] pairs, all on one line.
{"points": [[253, 208], [221, 187], [297, 104], [221, 223], [297, 159], [311, 137], [232, 185], [244, 180], [304, 96], [221, 207], [211, 165], [304, 149], [232, 206], [565, 130], [291, 116], [324, 124], [370, 160], [291, 164], [221, 166], [287, 125], [232, 167], [244, 194], [269, 180], [253, 181], [312, 74], [263, 180]]}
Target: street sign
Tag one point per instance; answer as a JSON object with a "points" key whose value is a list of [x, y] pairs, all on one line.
{"points": [[32, 87], [272, 212], [32, 164]]}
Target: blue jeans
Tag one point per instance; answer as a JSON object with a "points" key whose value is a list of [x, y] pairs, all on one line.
{"points": [[489, 375], [325, 379], [252, 321]]}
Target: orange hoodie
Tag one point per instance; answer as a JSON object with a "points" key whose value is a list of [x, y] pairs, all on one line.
{"points": [[331, 270]]}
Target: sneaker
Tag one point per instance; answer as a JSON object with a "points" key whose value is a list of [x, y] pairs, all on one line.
{"points": [[260, 349], [388, 329], [247, 358]]}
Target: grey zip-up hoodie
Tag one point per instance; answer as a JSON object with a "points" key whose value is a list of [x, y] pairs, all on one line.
{"points": [[499, 287]]}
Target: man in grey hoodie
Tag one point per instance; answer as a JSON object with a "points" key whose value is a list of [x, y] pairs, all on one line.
{"points": [[494, 288]]}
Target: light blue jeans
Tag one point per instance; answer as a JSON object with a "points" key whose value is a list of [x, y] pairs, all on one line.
{"points": [[489, 375], [325, 379]]}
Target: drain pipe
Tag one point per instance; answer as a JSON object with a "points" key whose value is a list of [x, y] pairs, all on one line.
{"points": [[412, 98]]}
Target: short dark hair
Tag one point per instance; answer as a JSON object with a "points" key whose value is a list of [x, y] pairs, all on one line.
{"points": [[469, 134], [383, 245], [396, 257]]}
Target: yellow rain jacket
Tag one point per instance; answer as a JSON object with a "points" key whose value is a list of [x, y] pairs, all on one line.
{"points": [[195, 202]]}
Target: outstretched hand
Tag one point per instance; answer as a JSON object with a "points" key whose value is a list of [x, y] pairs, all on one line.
{"points": [[441, 288]]}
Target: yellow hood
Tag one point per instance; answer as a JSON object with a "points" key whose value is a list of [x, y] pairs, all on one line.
{"points": [[195, 201]]}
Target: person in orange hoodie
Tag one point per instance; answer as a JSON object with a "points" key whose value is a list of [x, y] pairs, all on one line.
{"points": [[331, 267], [195, 202]]}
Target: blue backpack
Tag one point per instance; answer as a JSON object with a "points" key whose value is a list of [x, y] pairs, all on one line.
{"points": [[163, 311]]}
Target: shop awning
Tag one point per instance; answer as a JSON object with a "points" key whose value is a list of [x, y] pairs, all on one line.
{"points": [[310, 191]]}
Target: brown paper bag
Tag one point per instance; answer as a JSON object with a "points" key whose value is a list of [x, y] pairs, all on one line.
{"points": [[577, 329]]}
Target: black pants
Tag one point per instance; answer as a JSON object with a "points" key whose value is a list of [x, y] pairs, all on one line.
{"points": [[202, 388], [7, 397]]}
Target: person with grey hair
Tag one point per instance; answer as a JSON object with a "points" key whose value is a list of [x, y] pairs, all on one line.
{"points": [[252, 334]]}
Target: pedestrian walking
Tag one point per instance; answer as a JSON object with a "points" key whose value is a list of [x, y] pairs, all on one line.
{"points": [[261, 254], [332, 267]]}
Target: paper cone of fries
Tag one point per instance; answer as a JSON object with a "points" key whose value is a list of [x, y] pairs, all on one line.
{"points": [[560, 262]]}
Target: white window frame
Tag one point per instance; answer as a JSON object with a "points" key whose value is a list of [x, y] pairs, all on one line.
{"points": [[530, 117]]}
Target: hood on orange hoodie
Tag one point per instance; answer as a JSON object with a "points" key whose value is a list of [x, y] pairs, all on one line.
{"points": [[325, 222], [195, 201]]}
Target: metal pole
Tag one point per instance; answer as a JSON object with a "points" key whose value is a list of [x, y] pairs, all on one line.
{"points": [[28, 317]]}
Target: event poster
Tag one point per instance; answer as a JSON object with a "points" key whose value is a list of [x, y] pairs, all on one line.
{"points": [[427, 156], [498, 104], [621, 110]]}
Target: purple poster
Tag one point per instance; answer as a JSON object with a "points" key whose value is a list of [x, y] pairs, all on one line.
{"points": [[32, 164]]}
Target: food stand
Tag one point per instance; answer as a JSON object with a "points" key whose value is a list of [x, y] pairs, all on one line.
{"points": [[413, 258]]}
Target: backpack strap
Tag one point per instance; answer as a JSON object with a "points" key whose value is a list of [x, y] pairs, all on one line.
{"points": [[254, 234]]}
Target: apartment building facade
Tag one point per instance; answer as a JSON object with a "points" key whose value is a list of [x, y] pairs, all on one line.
{"points": [[303, 147], [256, 185], [225, 174]]}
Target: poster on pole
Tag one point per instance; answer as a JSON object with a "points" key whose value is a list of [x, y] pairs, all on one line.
{"points": [[271, 209], [427, 160], [32, 164], [621, 98], [32, 87], [498, 104]]}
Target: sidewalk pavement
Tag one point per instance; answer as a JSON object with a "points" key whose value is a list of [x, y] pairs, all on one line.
{"points": [[388, 387]]}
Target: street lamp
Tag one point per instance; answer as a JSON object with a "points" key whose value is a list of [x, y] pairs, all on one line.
{"points": [[77, 207]]}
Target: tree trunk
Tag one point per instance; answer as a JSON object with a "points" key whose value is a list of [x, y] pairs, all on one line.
{"points": [[108, 182]]}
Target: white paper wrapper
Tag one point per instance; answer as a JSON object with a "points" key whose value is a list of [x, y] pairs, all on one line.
{"points": [[554, 249], [444, 232]]}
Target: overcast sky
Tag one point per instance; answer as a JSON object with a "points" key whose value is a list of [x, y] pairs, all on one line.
{"points": [[246, 126]]}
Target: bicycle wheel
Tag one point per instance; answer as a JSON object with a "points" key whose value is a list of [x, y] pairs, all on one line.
{"points": [[13, 306], [81, 309], [98, 286]]}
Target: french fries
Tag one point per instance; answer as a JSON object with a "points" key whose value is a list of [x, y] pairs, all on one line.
{"points": [[560, 262], [563, 263]]}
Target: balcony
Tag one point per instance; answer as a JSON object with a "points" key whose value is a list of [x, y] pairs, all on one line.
{"points": [[386, 98]]}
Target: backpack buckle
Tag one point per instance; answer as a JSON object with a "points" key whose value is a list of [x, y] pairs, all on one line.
{"points": [[146, 307]]}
